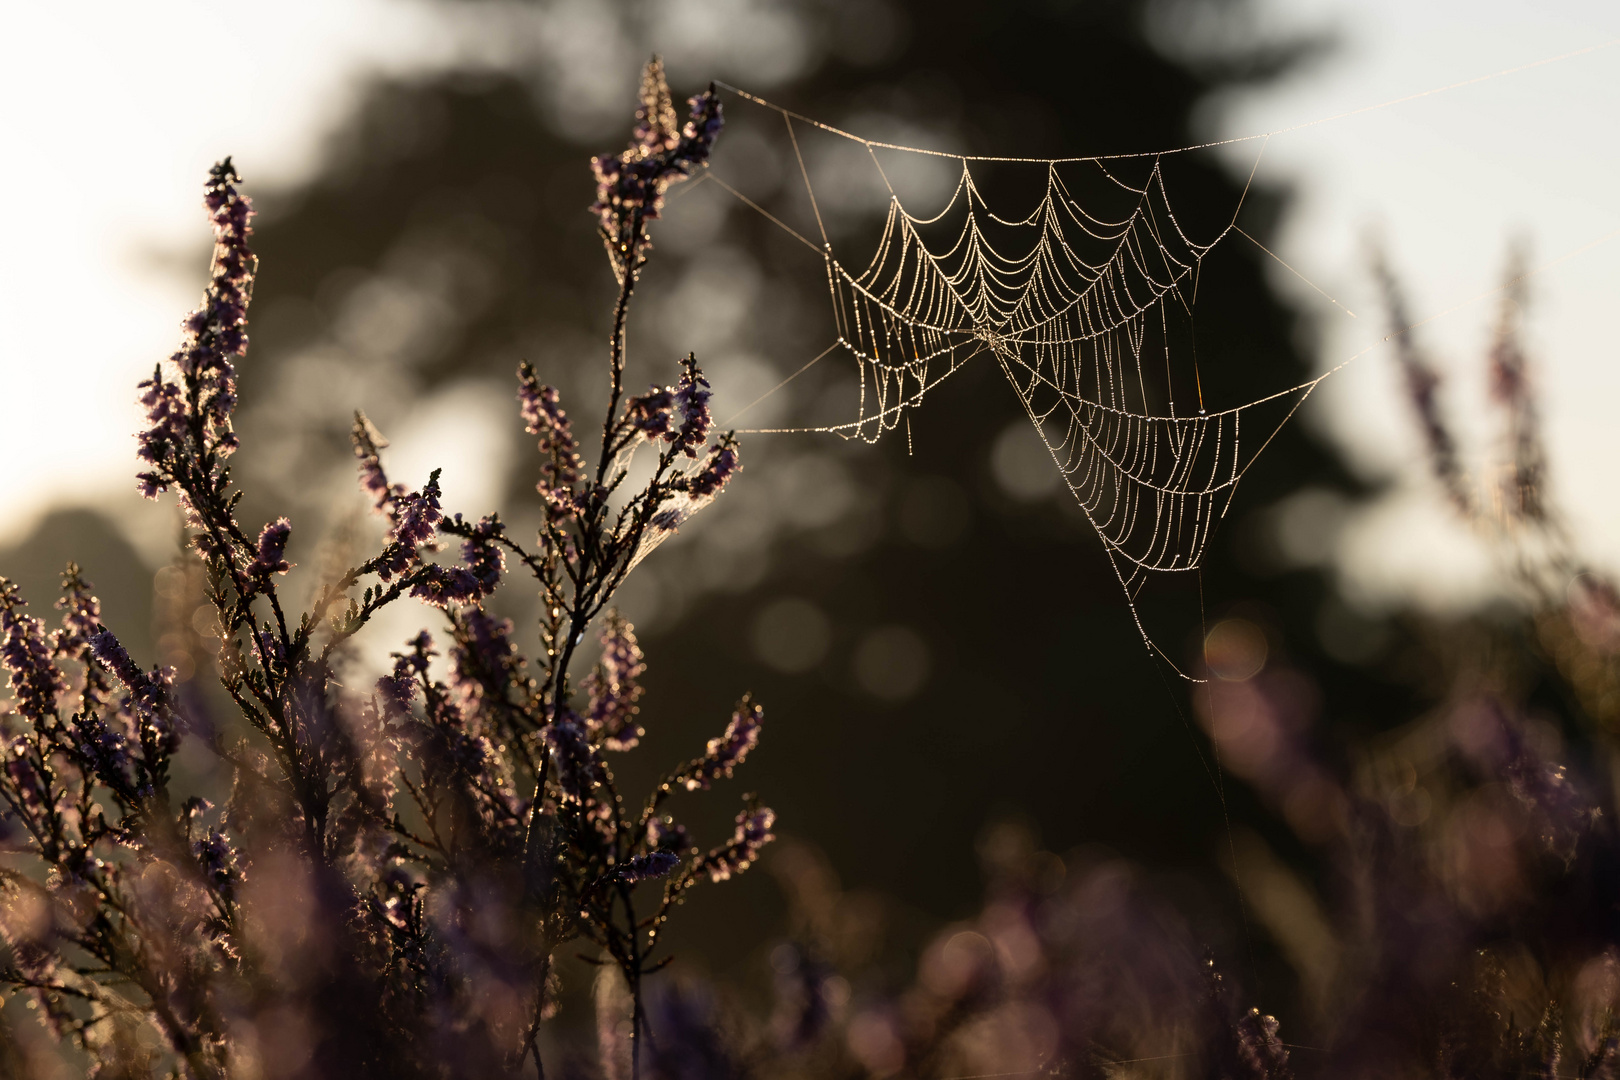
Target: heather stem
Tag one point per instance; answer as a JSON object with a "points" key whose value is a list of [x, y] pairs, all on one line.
{"points": [[621, 311]]}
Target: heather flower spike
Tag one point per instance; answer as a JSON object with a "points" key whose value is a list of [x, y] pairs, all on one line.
{"points": [[189, 424], [728, 751], [26, 654], [657, 129], [371, 816], [752, 833], [630, 187], [613, 689]]}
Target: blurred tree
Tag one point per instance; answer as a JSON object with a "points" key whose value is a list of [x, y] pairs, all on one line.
{"points": [[936, 653]]}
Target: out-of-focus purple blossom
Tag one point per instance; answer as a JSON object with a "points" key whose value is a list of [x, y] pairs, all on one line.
{"points": [[1562, 815], [654, 864], [669, 519], [35, 679], [219, 862], [574, 758], [1259, 1049], [752, 833], [24, 775], [692, 399], [803, 1012], [1511, 388], [717, 470], [270, 650], [729, 750], [1422, 385], [613, 689], [271, 551], [664, 835], [560, 467]]}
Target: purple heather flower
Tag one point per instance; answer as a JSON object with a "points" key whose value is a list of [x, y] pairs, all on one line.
{"points": [[571, 751], [652, 413], [215, 330], [657, 129], [23, 775], [752, 833], [613, 690], [26, 655], [81, 614], [669, 520], [630, 186], [1542, 786], [484, 563], [487, 657], [218, 861], [214, 333], [655, 864], [418, 516], [106, 749], [414, 522], [483, 558], [148, 691], [716, 472], [398, 688], [368, 441], [396, 692], [664, 835], [692, 398], [543, 415], [165, 406], [729, 750], [272, 548], [270, 650], [1258, 1047], [697, 138]]}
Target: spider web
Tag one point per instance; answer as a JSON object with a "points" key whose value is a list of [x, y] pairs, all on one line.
{"points": [[1085, 304]]}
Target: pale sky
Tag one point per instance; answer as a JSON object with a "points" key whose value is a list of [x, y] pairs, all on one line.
{"points": [[1447, 181], [111, 113]]}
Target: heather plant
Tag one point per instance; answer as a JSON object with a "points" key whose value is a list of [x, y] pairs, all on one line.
{"points": [[384, 878]]}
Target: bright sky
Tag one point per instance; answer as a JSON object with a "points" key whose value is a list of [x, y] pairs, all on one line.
{"points": [[111, 112], [1446, 181]]}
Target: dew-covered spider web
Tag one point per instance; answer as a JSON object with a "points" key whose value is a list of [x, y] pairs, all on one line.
{"points": [[1085, 304], [1079, 281]]}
